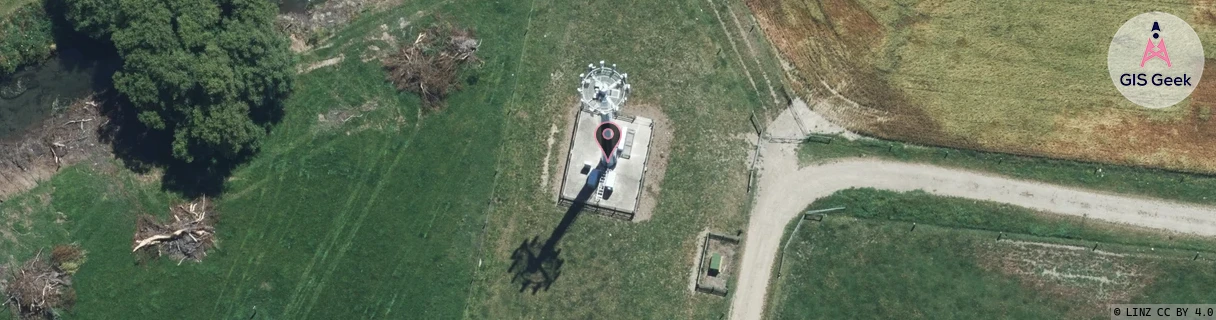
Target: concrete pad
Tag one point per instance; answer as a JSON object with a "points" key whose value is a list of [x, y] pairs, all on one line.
{"points": [[629, 172]]}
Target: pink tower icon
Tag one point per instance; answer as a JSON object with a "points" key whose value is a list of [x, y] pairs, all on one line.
{"points": [[1159, 51]]}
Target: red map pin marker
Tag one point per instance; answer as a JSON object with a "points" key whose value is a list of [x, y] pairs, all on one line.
{"points": [[608, 134]]}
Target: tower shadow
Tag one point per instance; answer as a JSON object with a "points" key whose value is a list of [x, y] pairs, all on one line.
{"points": [[536, 265]]}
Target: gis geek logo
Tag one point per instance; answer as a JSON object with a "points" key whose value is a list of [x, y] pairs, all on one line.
{"points": [[1145, 73], [1155, 51]]}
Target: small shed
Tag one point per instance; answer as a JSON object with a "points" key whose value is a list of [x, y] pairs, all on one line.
{"points": [[715, 264]]}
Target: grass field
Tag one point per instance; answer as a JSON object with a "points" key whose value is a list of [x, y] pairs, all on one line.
{"points": [[1156, 183], [1023, 77], [680, 60], [402, 214], [860, 263], [374, 218], [924, 208], [858, 268]]}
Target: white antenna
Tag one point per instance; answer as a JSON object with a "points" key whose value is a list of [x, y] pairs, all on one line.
{"points": [[603, 91]]}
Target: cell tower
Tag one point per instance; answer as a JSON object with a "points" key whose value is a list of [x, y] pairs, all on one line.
{"points": [[609, 147], [603, 90]]}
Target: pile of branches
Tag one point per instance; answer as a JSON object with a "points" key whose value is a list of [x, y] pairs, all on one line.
{"points": [[40, 287], [187, 237], [429, 66]]}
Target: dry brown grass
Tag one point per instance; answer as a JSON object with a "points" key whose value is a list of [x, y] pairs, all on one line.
{"points": [[965, 75], [1136, 137], [837, 41], [1205, 12]]}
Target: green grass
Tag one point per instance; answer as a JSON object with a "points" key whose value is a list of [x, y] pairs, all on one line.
{"points": [[418, 219], [30, 218], [1157, 183], [921, 207], [322, 224], [852, 268], [678, 59]]}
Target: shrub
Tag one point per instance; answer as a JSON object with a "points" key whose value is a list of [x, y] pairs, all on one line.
{"points": [[25, 38]]}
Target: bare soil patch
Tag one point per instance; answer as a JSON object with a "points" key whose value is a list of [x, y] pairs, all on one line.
{"points": [[1205, 12], [61, 140], [544, 180], [321, 64], [568, 115], [338, 116], [714, 281], [1137, 138], [298, 44], [1204, 95], [352, 120], [328, 15], [852, 23], [662, 134], [1092, 278], [831, 45]]}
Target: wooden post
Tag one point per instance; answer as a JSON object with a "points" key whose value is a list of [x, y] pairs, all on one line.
{"points": [[913, 227], [998, 236], [755, 123], [1095, 247]]}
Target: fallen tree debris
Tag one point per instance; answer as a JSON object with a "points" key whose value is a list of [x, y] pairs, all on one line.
{"points": [[430, 64], [40, 288], [186, 237], [53, 143]]}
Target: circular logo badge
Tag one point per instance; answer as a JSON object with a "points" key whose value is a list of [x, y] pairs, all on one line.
{"points": [[1155, 60]]}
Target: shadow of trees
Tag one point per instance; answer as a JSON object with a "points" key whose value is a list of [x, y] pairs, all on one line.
{"points": [[139, 147], [537, 265]]}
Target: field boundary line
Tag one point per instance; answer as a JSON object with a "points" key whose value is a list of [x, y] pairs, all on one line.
{"points": [[755, 56], [323, 249], [481, 237], [733, 47], [343, 247]]}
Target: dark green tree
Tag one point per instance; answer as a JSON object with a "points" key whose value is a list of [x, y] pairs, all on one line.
{"points": [[212, 73]]}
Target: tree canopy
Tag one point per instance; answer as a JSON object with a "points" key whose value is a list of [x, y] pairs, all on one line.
{"points": [[212, 73]]}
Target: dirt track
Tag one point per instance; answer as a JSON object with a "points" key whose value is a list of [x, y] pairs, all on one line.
{"points": [[785, 190]]}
